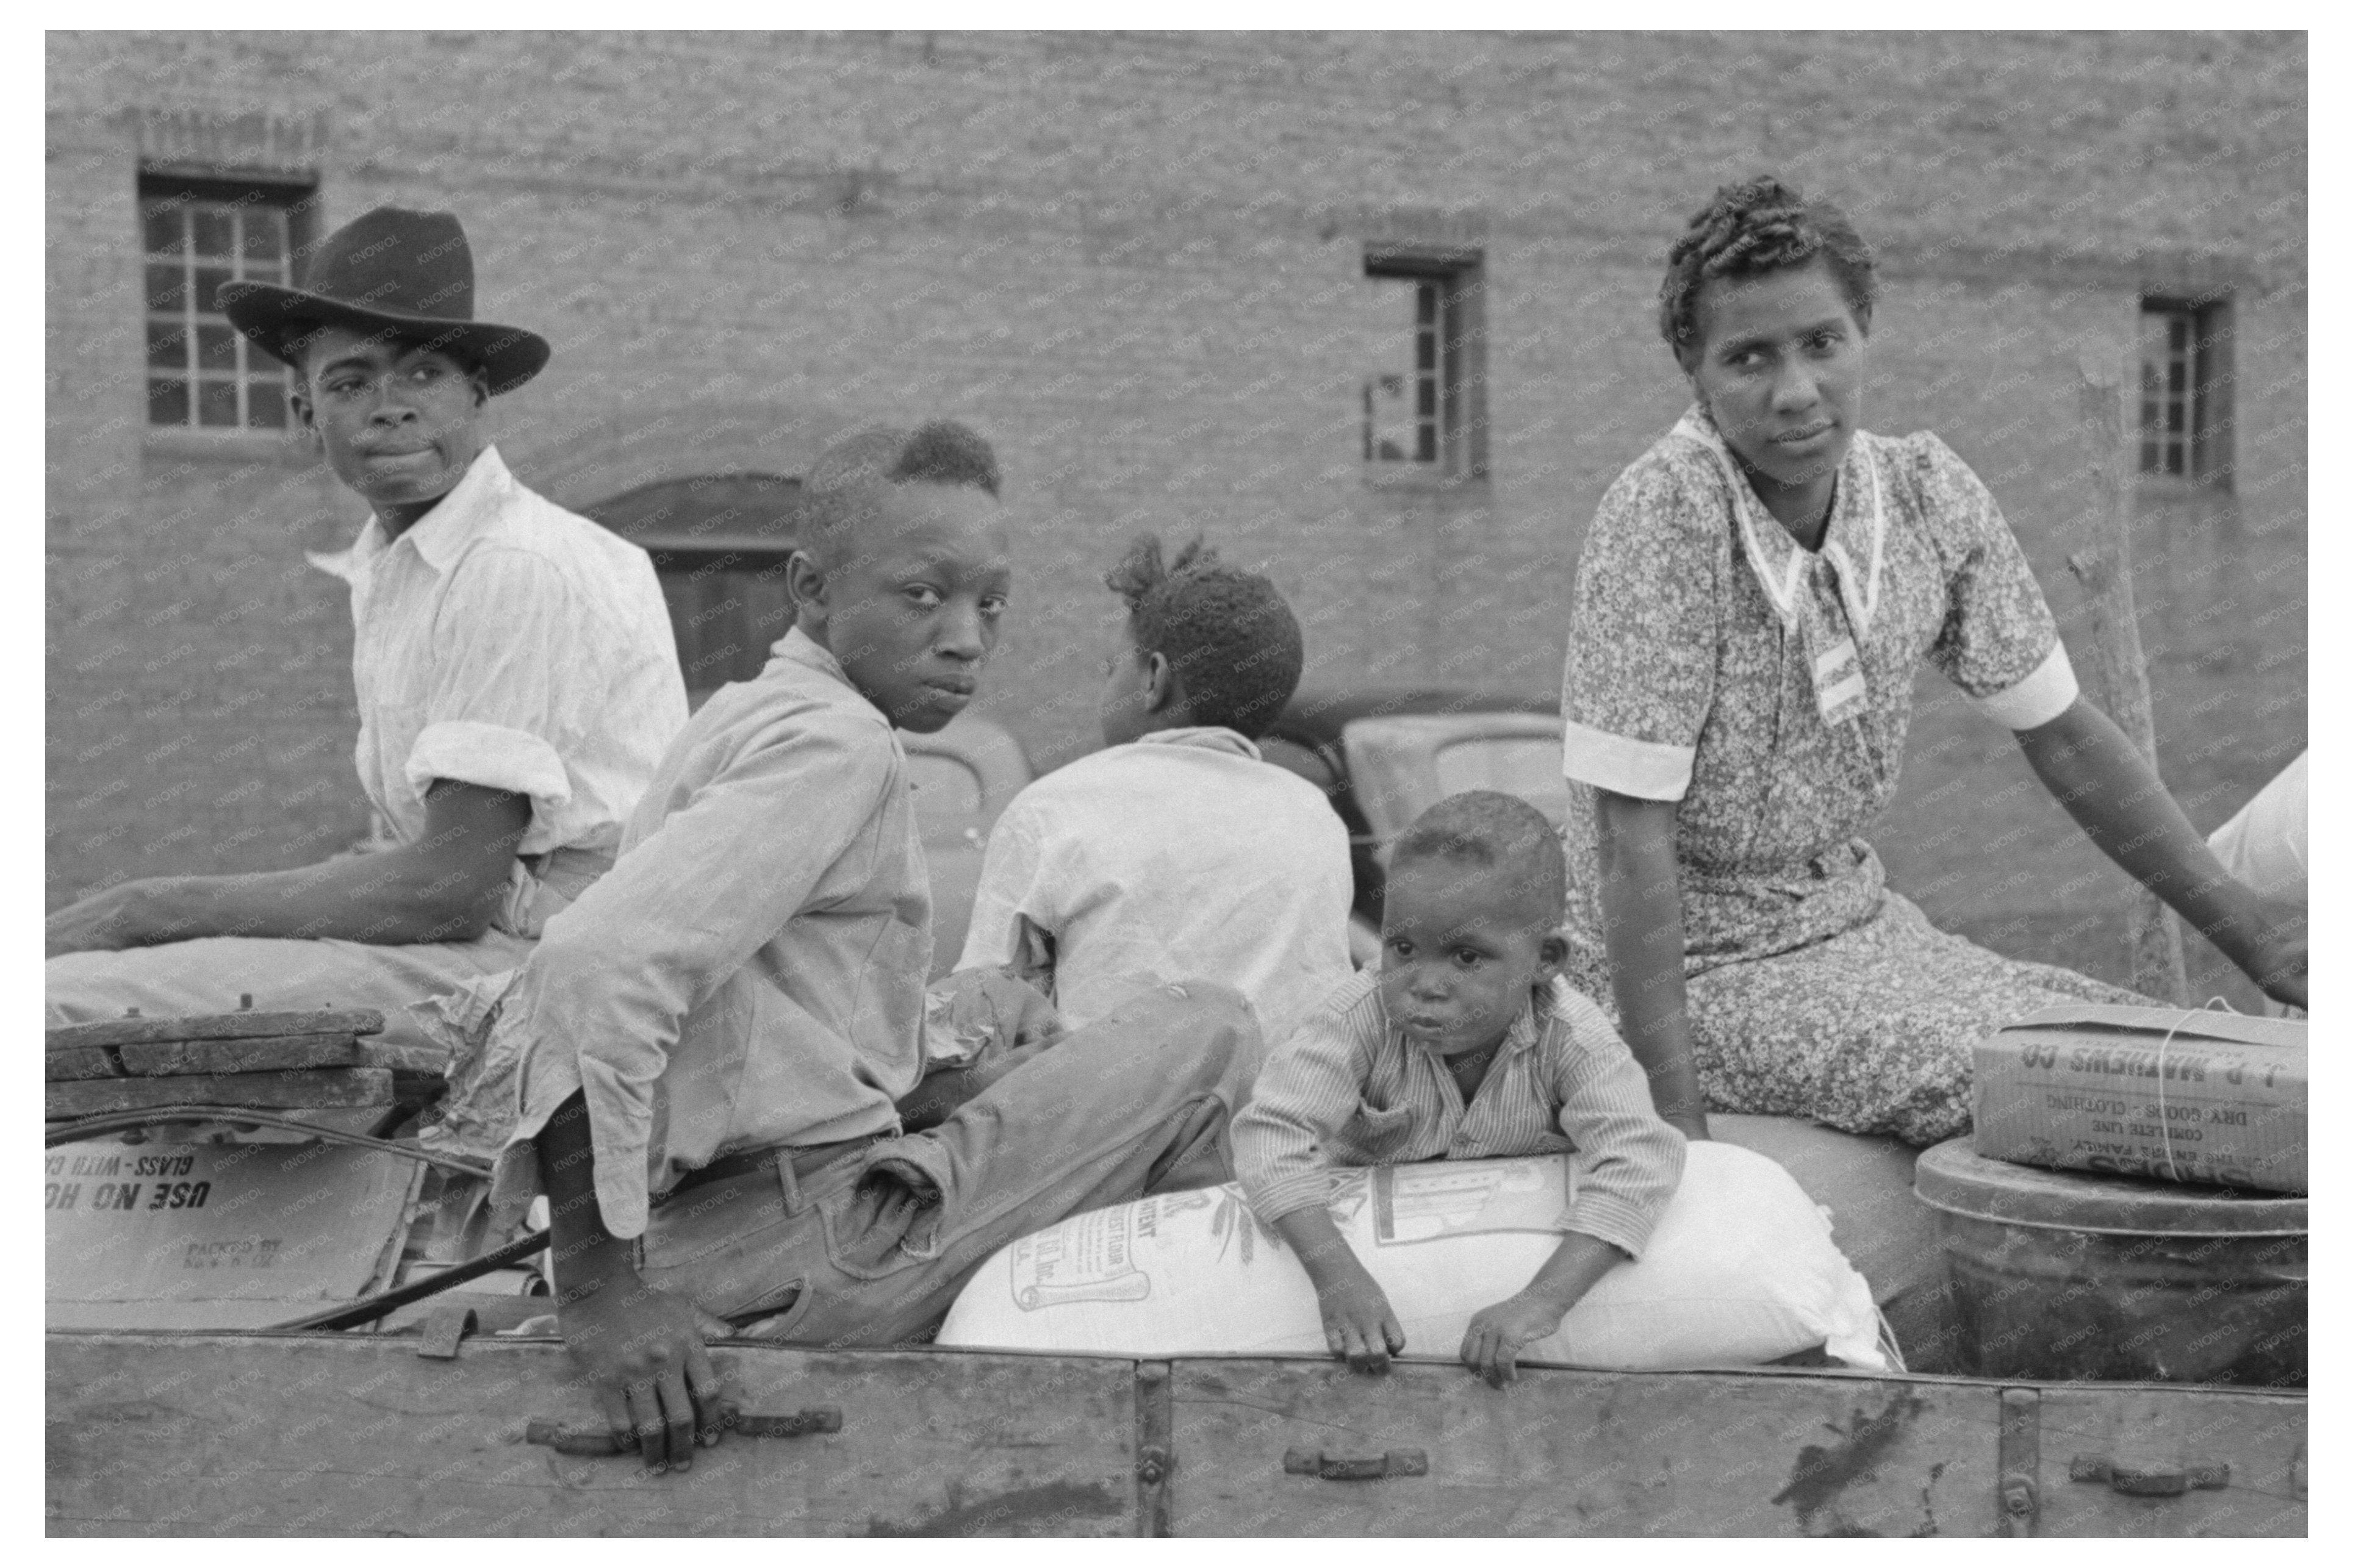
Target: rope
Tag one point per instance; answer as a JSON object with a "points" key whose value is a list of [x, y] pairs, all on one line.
{"points": [[1888, 1344], [368, 1308], [2165, 1122], [119, 1120]]}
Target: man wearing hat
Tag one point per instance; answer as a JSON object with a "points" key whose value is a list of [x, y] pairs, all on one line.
{"points": [[516, 674]]}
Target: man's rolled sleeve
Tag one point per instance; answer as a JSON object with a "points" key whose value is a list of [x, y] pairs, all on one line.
{"points": [[602, 999], [1628, 1161], [1310, 1086], [518, 675], [495, 756]]}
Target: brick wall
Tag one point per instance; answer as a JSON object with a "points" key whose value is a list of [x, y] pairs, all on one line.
{"points": [[1130, 260]]}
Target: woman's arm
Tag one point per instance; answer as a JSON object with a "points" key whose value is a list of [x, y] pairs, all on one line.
{"points": [[1642, 927], [2115, 796]]}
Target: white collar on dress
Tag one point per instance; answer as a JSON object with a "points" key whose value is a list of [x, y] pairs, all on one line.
{"points": [[1778, 560]]}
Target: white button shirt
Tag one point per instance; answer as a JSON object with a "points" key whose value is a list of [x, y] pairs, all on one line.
{"points": [[1179, 856], [505, 642]]}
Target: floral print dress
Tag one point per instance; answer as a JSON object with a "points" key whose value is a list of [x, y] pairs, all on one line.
{"points": [[1766, 688]]}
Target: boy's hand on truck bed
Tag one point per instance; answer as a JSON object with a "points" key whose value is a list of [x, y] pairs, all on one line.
{"points": [[1358, 1323], [641, 1352], [1493, 1342]]}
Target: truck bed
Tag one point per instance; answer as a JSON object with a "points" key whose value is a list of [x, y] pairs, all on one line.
{"points": [[209, 1433]]}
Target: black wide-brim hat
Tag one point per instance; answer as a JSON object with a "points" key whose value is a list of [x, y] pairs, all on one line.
{"points": [[392, 272]]}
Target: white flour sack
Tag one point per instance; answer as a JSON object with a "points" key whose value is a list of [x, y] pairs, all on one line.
{"points": [[1741, 1271]]}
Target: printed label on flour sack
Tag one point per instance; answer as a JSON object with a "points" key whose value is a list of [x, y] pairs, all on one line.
{"points": [[1424, 1202], [1088, 1259]]}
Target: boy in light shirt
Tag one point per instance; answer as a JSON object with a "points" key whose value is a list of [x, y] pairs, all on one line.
{"points": [[1175, 852]]}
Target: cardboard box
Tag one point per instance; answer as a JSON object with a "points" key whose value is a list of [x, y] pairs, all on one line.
{"points": [[222, 1236], [2188, 1096]]}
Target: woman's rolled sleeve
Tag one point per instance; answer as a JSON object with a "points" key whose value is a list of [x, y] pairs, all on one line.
{"points": [[1998, 642], [1641, 672]]}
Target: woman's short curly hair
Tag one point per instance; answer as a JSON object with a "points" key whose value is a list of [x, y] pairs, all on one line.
{"points": [[1760, 225], [1227, 633]]}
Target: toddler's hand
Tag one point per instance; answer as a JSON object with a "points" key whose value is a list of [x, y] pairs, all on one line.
{"points": [[1357, 1322], [1498, 1334]]}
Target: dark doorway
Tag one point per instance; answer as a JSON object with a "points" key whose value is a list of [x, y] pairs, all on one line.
{"points": [[719, 543]]}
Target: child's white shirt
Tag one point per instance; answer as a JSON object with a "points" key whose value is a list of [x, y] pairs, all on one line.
{"points": [[1180, 856]]}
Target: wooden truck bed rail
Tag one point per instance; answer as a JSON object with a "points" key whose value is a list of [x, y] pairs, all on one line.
{"points": [[224, 1434]]}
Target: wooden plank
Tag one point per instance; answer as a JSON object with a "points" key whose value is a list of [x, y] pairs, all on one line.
{"points": [[1582, 1453], [277, 1053], [216, 1026], [347, 1434], [2260, 1435], [263, 1091], [265, 1053], [71, 1064]]}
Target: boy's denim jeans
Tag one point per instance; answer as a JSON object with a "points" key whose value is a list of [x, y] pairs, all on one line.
{"points": [[840, 1252]]}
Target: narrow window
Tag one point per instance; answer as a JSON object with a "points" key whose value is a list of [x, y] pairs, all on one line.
{"points": [[197, 235], [2184, 390], [1424, 402]]}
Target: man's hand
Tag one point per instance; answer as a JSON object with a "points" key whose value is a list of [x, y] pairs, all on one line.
{"points": [[1358, 1325], [1010, 1018], [106, 921], [1497, 1335], [993, 1002], [642, 1353]]}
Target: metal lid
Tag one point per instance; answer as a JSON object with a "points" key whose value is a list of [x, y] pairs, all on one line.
{"points": [[1955, 1178]]}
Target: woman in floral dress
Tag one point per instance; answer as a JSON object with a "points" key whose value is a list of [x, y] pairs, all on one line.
{"points": [[1754, 599]]}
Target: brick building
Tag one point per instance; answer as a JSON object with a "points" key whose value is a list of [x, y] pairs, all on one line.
{"points": [[1375, 312]]}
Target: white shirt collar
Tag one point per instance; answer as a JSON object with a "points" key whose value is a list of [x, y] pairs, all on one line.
{"points": [[1208, 737], [441, 535]]}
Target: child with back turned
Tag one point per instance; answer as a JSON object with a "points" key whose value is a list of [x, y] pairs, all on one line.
{"points": [[1464, 1044], [1176, 853]]}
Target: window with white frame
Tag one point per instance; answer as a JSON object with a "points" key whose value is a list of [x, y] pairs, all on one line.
{"points": [[2184, 348], [202, 374], [1424, 412]]}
